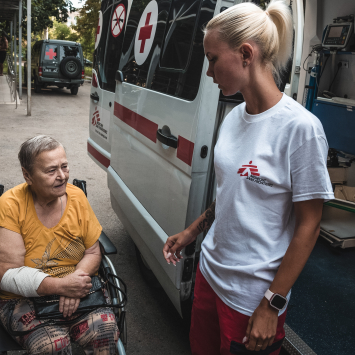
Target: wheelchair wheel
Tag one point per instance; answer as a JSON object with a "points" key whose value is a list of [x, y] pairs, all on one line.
{"points": [[123, 328], [120, 313], [120, 348]]}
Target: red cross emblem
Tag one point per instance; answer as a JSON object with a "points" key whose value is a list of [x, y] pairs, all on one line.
{"points": [[51, 54], [145, 32], [98, 30]]}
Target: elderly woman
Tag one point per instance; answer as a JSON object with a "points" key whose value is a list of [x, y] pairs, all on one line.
{"points": [[49, 245]]}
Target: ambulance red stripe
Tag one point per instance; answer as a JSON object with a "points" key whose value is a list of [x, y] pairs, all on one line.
{"points": [[136, 121], [98, 156], [149, 129], [185, 150]]}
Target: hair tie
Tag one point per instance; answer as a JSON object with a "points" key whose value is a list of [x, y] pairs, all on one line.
{"points": [[267, 13]]}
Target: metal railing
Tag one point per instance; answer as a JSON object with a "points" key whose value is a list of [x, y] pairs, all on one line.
{"points": [[11, 78]]}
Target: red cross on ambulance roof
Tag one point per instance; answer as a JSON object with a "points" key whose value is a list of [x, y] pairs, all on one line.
{"points": [[145, 32], [51, 54]]}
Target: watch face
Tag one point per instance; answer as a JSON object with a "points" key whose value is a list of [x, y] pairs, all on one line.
{"points": [[278, 301]]}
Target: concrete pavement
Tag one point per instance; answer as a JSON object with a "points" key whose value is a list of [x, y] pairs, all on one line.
{"points": [[5, 94]]}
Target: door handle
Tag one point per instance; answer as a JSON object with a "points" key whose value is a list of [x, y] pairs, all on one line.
{"points": [[119, 76], [94, 96], [164, 136]]}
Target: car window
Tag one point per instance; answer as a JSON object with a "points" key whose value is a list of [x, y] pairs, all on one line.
{"points": [[114, 43], [69, 51], [51, 51], [175, 70], [177, 46], [99, 54]]}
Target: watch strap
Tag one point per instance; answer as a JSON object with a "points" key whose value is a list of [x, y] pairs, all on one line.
{"points": [[268, 295]]}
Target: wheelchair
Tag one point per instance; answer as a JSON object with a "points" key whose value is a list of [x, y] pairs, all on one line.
{"points": [[7, 343]]}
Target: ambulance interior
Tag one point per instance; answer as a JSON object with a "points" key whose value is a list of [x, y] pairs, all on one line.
{"points": [[322, 305]]}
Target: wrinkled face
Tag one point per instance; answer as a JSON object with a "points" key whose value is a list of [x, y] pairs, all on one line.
{"points": [[225, 64], [50, 174]]}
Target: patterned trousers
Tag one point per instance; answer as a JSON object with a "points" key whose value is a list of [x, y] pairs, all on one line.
{"points": [[97, 333]]}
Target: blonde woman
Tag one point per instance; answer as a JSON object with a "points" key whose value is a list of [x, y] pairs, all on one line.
{"points": [[272, 180]]}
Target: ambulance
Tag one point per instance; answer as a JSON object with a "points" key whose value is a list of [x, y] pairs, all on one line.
{"points": [[155, 118]]}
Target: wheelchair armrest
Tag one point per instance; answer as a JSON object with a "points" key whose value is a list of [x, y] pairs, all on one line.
{"points": [[106, 245]]}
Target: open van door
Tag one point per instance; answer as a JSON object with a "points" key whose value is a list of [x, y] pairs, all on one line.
{"points": [[291, 88], [163, 98], [108, 43]]}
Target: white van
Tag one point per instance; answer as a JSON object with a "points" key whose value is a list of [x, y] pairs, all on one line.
{"points": [[154, 121]]}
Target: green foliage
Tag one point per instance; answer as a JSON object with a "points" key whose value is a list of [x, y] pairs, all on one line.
{"points": [[262, 3], [59, 31], [86, 24], [43, 11]]}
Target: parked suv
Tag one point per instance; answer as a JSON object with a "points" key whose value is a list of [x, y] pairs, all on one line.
{"points": [[57, 63]]}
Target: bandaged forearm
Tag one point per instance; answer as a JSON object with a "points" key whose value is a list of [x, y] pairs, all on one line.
{"points": [[22, 281]]}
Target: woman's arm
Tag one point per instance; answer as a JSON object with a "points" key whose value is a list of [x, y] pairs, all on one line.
{"points": [[12, 251], [90, 263], [12, 256], [262, 325], [177, 242]]}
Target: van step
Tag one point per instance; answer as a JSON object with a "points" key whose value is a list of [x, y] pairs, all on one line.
{"points": [[294, 345]]}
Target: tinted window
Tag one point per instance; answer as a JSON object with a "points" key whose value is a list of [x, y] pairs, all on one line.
{"points": [[99, 55], [114, 43], [177, 69], [179, 34]]}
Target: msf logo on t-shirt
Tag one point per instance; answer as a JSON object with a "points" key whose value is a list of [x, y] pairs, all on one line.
{"points": [[247, 170], [252, 174]]}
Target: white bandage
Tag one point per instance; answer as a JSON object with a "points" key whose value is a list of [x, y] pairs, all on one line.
{"points": [[23, 281]]}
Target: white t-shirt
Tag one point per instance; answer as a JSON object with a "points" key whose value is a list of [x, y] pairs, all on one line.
{"points": [[263, 164]]}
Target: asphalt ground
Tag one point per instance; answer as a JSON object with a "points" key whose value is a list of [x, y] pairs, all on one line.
{"points": [[154, 326]]}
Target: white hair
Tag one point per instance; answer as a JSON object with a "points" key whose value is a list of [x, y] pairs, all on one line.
{"points": [[33, 147], [271, 30]]}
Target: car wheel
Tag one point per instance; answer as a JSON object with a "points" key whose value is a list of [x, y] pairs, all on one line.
{"points": [[74, 90], [70, 67], [37, 86], [146, 271]]}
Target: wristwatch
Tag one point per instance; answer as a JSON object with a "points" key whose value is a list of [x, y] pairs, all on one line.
{"points": [[276, 300]]}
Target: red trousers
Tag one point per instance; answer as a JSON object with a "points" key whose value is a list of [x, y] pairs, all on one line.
{"points": [[219, 329]]}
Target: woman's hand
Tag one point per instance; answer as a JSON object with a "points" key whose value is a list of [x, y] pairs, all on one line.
{"points": [[174, 245], [262, 327], [68, 305], [75, 285], [177, 242]]}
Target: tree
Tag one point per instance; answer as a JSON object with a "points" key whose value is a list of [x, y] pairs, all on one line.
{"points": [[86, 25], [59, 31], [42, 12]]}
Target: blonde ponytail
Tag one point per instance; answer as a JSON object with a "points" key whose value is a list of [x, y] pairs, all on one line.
{"points": [[271, 30]]}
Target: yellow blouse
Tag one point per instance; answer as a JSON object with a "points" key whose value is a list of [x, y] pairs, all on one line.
{"points": [[57, 250]]}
